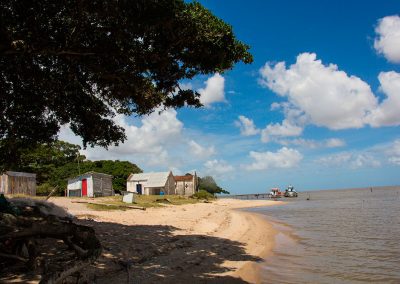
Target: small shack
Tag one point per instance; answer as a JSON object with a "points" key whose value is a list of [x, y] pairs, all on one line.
{"points": [[186, 185], [18, 183], [151, 183], [90, 184]]}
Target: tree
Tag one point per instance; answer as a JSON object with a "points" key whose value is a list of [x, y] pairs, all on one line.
{"points": [[44, 158], [82, 62], [55, 162], [208, 184]]}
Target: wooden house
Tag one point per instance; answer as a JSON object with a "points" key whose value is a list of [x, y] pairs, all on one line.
{"points": [[18, 183], [151, 183], [91, 184], [186, 185]]}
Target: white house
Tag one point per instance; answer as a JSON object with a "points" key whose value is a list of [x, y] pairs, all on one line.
{"points": [[151, 183], [90, 184]]}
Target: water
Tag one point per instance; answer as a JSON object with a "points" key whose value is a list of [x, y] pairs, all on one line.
{"points": [[338, 236]]}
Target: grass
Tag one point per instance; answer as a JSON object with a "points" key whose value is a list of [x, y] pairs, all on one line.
{"points": [[146, 201], [102, 207], [149, 200]]}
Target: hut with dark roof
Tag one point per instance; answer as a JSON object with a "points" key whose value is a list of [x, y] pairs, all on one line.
{"points": [[186, 185]]}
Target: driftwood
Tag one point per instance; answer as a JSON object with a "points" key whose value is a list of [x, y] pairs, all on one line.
{"points": [[23, 222], [114, 205]]}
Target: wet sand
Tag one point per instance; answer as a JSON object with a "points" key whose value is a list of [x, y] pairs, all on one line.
{"points": [[198, 243]]}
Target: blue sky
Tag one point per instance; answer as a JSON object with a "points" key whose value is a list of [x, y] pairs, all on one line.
{"points": [[318, 108]]}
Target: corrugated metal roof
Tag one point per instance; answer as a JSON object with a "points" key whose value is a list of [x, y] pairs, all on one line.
{"points": [[151, 179], [88, 174], [20, 174]]}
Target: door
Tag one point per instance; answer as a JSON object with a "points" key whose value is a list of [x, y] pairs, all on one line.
{"points": [[84, 187], [139, 188]]}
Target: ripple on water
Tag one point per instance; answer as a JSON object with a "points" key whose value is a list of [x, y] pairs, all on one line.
{"points": [[341, 236]]}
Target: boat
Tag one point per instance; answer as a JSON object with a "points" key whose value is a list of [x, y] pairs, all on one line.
{"points": [[290, 192], [275, 193]]}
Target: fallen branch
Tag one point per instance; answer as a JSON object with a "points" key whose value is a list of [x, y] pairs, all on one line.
{"points": [[36, 220], [51, 193]]}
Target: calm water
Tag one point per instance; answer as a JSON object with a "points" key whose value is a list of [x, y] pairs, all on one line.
{"points": [[338, 236]]}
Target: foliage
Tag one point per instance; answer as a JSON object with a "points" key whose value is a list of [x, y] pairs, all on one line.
{"points": [[55, 162], [202, 194], [82, 62], [120, 170], [208, 184], [44, 189], [45, 158]]}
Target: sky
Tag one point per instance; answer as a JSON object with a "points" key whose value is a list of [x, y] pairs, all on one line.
{"points": [[319, 108]]}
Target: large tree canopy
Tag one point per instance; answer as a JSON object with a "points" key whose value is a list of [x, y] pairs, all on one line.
{"points": [[82, 62]]}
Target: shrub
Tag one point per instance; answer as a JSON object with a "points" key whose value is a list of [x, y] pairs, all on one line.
{"points": [[202, 194]]}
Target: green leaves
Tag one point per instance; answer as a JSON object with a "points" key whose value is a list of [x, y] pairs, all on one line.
{"points": [[81, 62], [208, 184]]}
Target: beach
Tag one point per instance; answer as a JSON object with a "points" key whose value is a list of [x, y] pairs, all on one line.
{"points": [[212, 242]]}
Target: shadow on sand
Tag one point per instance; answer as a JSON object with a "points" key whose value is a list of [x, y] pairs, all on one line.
{"points": [[158, 254], [146, 254]]}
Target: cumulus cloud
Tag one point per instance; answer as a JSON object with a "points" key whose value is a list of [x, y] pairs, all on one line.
{"points": [[387, 41], [200, 151], [148, 142], [246, 126], [283, 158], [319, 94], [351, 160], [284, 129], [213, 91], [218, 167], [387, 113]]}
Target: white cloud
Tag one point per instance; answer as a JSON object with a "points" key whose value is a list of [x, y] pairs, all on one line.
{"points": [[218, 167], [351, 160], [335, 159], [388, 112], [319, 94], [200, 151], [310, 143], [364, 160], [283, 129], [388, 38], [214, 90], [334, 142], [283, 158], [148, 143], [246, 125], [393, 153]]}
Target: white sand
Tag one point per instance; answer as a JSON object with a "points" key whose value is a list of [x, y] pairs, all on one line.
{"points": [[194, 241]]}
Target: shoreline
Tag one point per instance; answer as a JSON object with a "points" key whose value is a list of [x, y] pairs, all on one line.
{"points": [[213, 240]]}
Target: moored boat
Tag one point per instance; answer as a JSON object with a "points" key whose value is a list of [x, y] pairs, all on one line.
{"points": [[275, 193], [290, 192]]}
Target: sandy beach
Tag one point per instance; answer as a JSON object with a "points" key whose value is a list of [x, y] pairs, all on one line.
{"points": [[204, 242]]}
